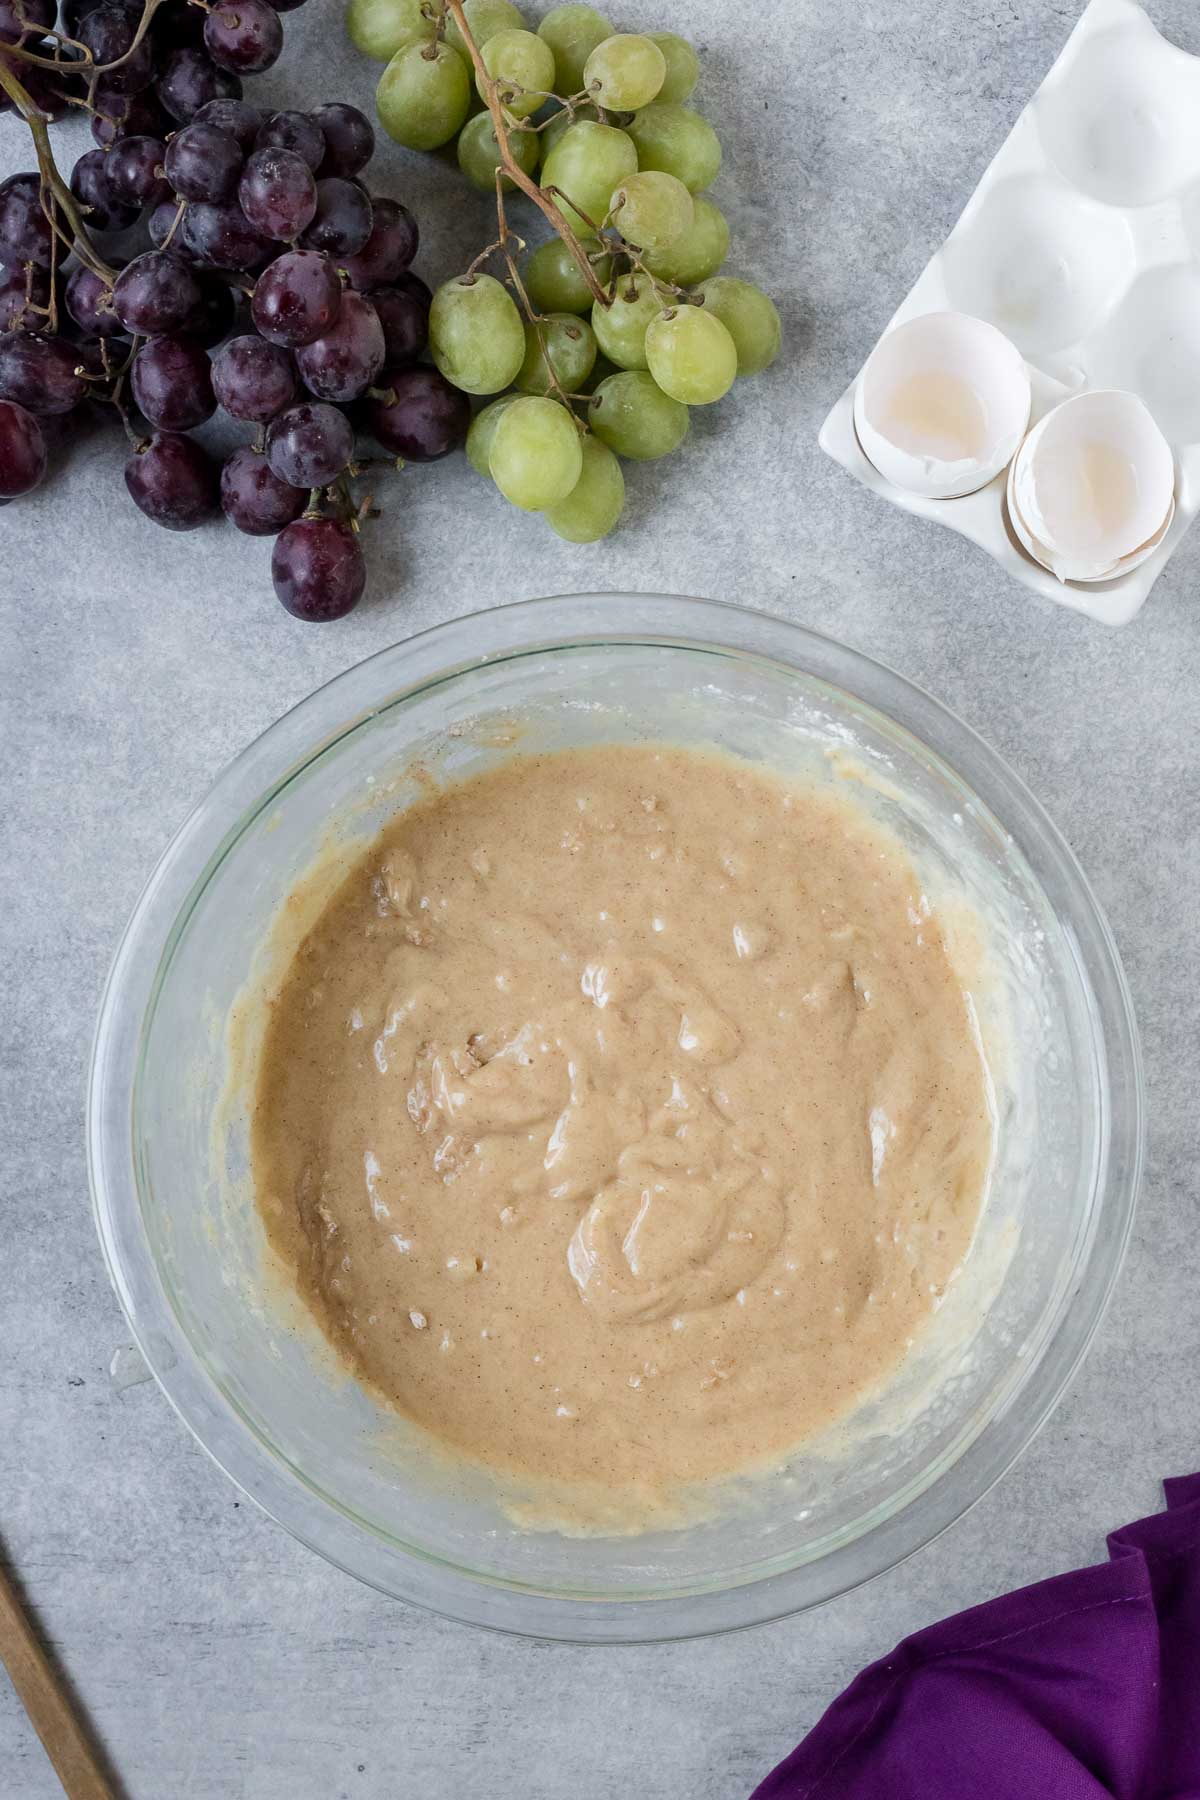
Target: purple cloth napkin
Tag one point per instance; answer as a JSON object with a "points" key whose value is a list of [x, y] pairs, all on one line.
{"points": [[1081, 1687]]}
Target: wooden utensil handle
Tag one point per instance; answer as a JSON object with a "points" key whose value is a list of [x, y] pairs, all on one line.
{"points": [[40, 1688]]}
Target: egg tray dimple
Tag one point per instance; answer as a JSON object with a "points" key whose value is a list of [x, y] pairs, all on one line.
{"points": [[1082, 244]]}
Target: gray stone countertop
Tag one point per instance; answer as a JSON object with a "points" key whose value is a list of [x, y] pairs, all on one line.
{"points": [[219, 1659]]}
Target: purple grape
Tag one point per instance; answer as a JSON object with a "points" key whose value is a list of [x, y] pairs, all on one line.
{"points": [[318, 569], [277, 193], [161, 224], [25, 234], [174, 482], [309, 445], [138, 116], [89, 302], [294, 131], [341, 223], [90, 186], [20, 19], [19, 296], [343, 363], [177, 25], [190, 80], [297, 298], [410, 283], [243, 35], [389, 249], [46, 88], [74, 12], [405, 321], [253, 380], [254, 499], [349, 138], [222, 235], [171, 383], [108, 33], [22, 451], [423, 418], [39, 373], [216, 314], [241, 120], [133, 167], [156, 293], [203, 163]]}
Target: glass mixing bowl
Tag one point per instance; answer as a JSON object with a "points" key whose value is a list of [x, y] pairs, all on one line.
{"points": [[168, 1154]]}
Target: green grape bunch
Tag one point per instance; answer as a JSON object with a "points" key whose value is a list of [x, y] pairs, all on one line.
{"points": [[592, 347]]}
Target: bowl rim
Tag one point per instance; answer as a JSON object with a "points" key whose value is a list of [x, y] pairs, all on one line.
{"points": [[353, 697]]}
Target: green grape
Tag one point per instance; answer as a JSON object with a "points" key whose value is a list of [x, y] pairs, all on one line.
{"points": [[485, 18], [524, 67], [553, 279], [571, 344], [621, 328], [691, 355], [483, 430], [475, 334], [652, 211], [479, 153], [683, 65], [537, 455], [630, 413], [750, 318], [586, 164], [381, 27], [572, 32], [423, 95], [562, 121], [596, 501], [624, 72], [699, 253], [678, 141]]}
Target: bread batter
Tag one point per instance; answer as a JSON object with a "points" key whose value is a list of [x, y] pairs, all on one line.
{"points": [[622, 1118]]}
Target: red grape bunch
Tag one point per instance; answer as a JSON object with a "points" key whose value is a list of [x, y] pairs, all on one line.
{"points": [[255, 274]]}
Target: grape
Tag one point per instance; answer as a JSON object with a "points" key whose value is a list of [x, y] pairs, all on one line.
{"points": [[297, 298], [162, 222], [554, 281], [652, 211], [213, 319], [133, 168], [404, 319], [410, 283], [483, 430], [243, 35], [176, 23], [683, 66], [536, 455], [22, 451], [252, 379], [523, 65], [621, 327], [485, 18], [381, 27], [630, 413], [242, 121], [173, 481], [587, 163], [475, 333], [388, 251], [220, 234], [691, 355], [189, 80], [424, 95], [277, 193], [596, 501], [696, 255], [108, 33], [89, 302], [308, 445], [318, 570], [344, 362], [561, 121], [138, 116], [203, 162], [572, 33], [343, 218], [624, 72], [479, 154], [294, 131], [25, 234], [171, 383], [20, 292], [89, 184], [20, 19], [750, 318], [422, 418], [349, 138], [155, 293], [676, 141], [571, 345], [253, 499], [39, 373]]}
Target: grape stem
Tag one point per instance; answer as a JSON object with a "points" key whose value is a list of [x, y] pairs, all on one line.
{"points": [[150, 7]]}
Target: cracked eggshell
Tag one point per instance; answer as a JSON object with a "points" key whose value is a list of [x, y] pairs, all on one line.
{"points": [[942, 405], [1091, 492]]}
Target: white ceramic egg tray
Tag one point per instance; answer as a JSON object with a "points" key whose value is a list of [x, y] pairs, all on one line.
{"points": [[1082, 244]]}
